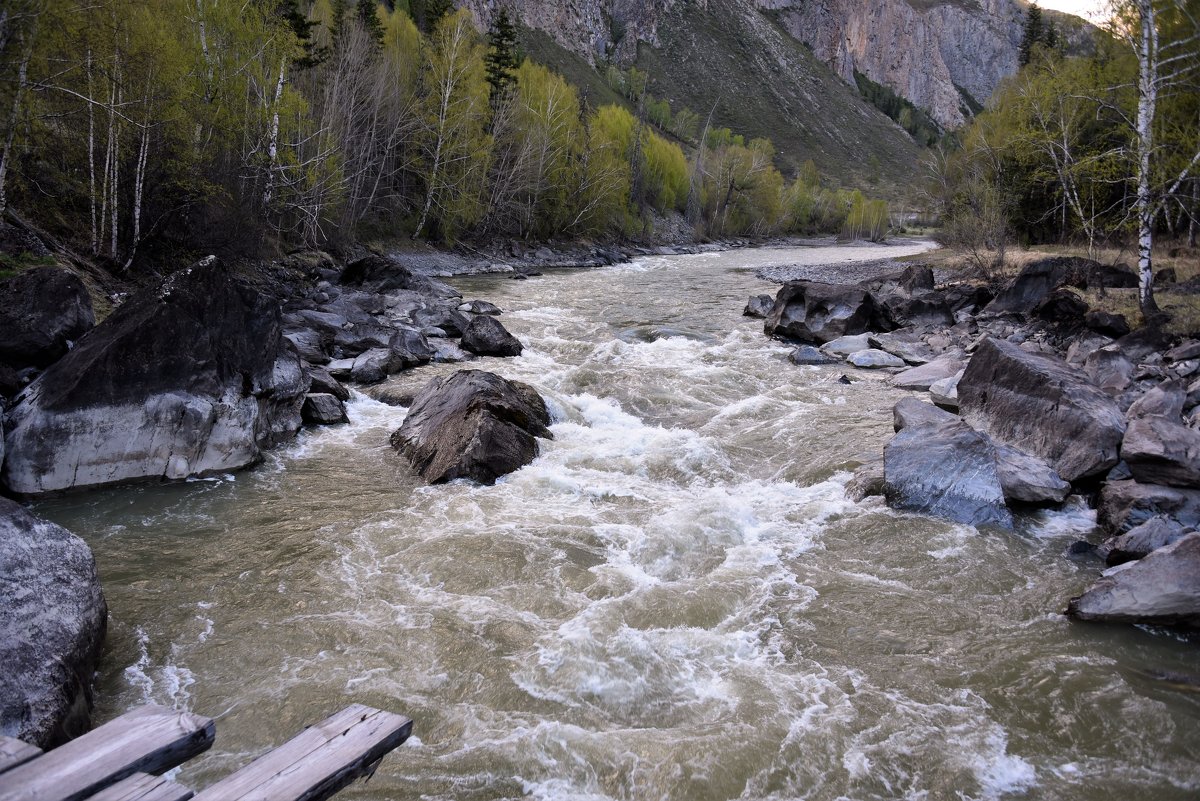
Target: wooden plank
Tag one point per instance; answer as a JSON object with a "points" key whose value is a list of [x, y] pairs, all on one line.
{"points": [[318, 761], [143, 787], [13, 752], [150, 739]]}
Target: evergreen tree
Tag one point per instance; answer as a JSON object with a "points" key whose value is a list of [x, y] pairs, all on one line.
{"points": [[426, 13], [501, 59], [370, 20], [1034, 33], [1051, 39]]}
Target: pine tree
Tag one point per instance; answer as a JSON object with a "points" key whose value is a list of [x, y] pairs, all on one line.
{"points": [[370, 20], [1051, 39], [501, 58], [1033, 35]]}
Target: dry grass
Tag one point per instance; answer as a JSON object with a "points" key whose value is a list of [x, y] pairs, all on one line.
{"points": [[1182, 308]]}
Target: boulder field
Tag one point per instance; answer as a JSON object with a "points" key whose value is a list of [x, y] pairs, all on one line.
{"points": [[1031, 398]]}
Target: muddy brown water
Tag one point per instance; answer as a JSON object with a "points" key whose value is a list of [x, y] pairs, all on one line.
{"points": [[675, 601]]}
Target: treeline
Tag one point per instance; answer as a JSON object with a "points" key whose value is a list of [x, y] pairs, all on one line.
{"points": [[133, 124], [1102, 149]]}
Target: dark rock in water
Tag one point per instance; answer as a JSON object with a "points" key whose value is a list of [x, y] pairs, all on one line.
{"points": [[844, 379], [1142, 540], [485, 336], [321, 382], [1124, 505], [1028, 479], [1080, 548], [1042, 406], [910, 412], [806, 355], [321, 409], [362, 337], [1061, 306], [945, 470], [905, 344], [1159, 450], [814, 312], [372, 367], [189, 379], [382, 274], [1112, 325], [446, 351], [340, 369], [909, 298], [41, 311], [868, 481], [52, 624], [759, 306], [473, 425], [1161, 589], [409, 348], [873, 359], [479, 307]]}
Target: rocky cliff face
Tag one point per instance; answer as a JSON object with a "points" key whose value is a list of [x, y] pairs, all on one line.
{"points": [[929, 51], [925, 50]]}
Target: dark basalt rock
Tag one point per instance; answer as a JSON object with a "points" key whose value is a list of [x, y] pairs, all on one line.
{"points": [[758, 306], [479, 307], [1063, 307], [1112, 325], [321, 382], [1124, 505], [1143, 540], [41, 311], [52, 623], [189, 379], [1028, 479], [410, 348], [473, 425], [1032, 285], [485, 336], [815, 312], [1161, 589], [452, 321], [807, 355], [945, 470], [321, 409], [912, 412], [1043, 406], [1159, 450]]}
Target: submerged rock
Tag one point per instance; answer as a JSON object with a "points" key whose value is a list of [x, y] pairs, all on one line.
{"points": [[52, 623], [473, 425], [1042, 406], [42, 310], [485, 336], [191, 379], [945, 470], [1163, 589]]}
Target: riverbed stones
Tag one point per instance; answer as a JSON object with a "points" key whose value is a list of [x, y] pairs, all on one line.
{"points": [[1043, 406], [42, 311], [909, 412], [926, 375], [1143, 540], [1102, 322], [944, 392], [908, 346], [945, 470], [409, 348], [485, 336], [52, 623], [191, 378], [479, 307], [474, 425], [1029, 479], [1159, 450], [816, 312], [320, 381], [1161, 589], [1126, 504], [844, 346], [1109, 368], [372, 366], [875, 359]]}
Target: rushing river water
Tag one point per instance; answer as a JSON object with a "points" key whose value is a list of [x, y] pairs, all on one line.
{"points": [[676, 600]]}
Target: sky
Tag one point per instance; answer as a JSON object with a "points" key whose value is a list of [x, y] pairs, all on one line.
{"points": [[1082, 8]]}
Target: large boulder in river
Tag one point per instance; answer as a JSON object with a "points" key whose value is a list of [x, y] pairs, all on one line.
{"points": [[485, 336], [1126, 504], [52, 623], [1162, 589], [473, 425], [42, 311], [189, 379], [1043, 406], [815, 312], [758, 306], [1141, 541], [945, 470]]}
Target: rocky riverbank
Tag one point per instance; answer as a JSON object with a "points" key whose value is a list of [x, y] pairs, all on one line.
{"points": [[1029, 398]]}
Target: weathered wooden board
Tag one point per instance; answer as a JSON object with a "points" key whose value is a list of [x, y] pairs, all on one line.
{"points": [[13, 752], [143, 787], [150, 739], [319, 761]]}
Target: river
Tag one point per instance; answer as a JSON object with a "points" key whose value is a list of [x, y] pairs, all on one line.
{"points": [[676, 600]]}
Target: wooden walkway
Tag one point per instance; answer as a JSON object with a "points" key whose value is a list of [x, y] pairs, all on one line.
{"points": [[121, 760]]}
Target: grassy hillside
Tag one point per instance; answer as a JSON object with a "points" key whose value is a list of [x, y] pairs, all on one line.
{"points": [[765, 84]]}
